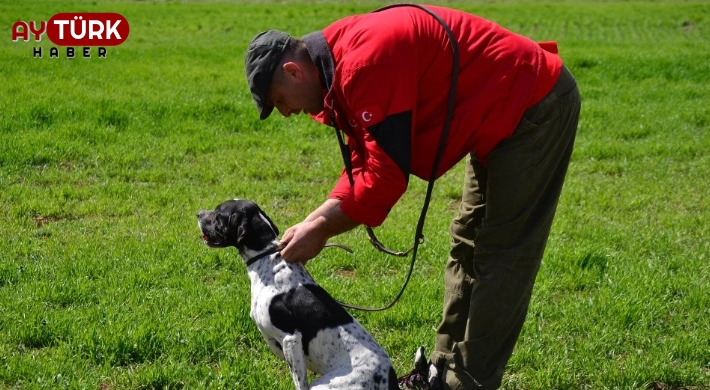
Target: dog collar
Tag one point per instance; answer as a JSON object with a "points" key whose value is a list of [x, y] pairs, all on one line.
{"points": [[260, 256]]}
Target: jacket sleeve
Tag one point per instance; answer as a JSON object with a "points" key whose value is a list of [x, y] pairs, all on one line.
{"points": [[380, 147]]}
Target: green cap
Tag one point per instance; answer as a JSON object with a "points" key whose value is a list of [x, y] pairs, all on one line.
{"points": [[263, 56]]}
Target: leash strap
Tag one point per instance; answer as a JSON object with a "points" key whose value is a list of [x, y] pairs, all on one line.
{"points": [[345, 151]]}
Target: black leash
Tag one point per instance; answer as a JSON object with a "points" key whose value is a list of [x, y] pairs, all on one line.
{"points": [[261, 255], [345, 151]]}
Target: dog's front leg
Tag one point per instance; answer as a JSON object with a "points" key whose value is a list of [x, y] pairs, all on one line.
{"points": [[293, 352]]}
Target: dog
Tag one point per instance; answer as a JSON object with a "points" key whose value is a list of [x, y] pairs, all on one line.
{"points": [[300, 321]]}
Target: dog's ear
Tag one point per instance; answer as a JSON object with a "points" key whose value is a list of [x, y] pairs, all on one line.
{"points": [[270, 223], [236, 222], [254, 230], [261, 231]]}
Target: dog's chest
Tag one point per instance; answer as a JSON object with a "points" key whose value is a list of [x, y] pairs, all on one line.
{"points": [[270, 277]]}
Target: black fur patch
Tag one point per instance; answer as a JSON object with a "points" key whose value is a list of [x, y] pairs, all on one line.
{"points": [[308, 309]]}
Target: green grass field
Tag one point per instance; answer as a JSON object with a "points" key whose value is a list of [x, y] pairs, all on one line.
{"points": [[105, 283]]}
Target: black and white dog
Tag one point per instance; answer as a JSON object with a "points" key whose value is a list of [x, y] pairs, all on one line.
{"points": [[300, 321]]}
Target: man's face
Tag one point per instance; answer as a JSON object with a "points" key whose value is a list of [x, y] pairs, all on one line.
{"points": [[292, 92]]}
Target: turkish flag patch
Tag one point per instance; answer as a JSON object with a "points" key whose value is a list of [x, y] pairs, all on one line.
{"points": [[369, 116]]}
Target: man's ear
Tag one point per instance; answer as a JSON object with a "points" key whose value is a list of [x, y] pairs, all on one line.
{"points": [[292, 70]]}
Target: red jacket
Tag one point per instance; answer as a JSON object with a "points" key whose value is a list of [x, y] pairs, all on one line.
{"points": [[388, 79]]}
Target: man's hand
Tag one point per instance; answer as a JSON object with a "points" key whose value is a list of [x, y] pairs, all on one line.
{"points": [[305, 240]]}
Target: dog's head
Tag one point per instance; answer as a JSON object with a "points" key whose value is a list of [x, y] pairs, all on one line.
{"points": [[238, 223]]}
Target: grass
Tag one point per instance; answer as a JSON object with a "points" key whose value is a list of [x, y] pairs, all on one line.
{"points": [[105, 284]]}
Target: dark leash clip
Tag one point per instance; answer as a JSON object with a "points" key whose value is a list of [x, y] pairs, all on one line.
{"points": [[345, 152], [382, 248]]}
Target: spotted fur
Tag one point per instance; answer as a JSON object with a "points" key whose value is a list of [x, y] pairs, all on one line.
{"points": [[299, 320]]}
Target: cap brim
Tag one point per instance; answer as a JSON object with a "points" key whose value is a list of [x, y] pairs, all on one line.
{"points": [[265, 112]]}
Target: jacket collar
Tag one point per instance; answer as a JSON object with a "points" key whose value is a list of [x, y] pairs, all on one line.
{"points": [[321, 56]]}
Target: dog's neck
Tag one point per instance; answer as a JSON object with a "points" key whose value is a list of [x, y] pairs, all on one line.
{"points": [[252, 256]]}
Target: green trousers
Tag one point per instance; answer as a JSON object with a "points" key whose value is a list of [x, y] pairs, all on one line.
{"points": [[498, 240]]}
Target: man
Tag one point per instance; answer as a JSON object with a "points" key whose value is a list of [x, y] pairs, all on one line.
{"points": [[383, 79]]}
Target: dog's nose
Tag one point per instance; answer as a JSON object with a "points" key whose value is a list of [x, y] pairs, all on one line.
{"points": [[201, 213]]}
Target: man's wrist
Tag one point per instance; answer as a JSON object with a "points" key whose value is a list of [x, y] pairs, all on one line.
{"points": [[334, 221]]}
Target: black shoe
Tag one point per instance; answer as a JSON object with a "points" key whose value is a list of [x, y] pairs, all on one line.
{"points": [[414, 380], [424, 376]]}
